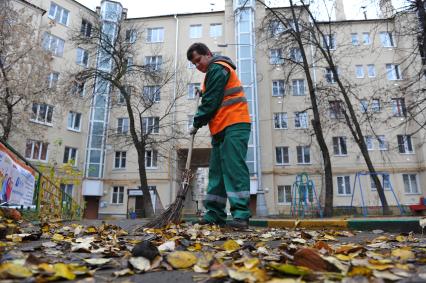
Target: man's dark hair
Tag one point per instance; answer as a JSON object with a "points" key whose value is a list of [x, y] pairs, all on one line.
{"points": [[201, 49]]}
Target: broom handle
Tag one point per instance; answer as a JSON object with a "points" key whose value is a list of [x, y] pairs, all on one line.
{"points": [[191, 144]]}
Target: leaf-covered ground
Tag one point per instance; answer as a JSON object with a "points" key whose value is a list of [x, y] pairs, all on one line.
{"points": [[107, 253]]}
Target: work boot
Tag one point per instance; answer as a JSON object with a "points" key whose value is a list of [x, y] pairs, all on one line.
{"points": [[206, 222], [239, 224]]}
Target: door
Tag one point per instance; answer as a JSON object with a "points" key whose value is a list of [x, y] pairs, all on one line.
{"points": [[140, 212], [92, 207]]}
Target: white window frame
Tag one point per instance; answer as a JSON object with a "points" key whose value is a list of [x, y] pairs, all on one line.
{"points": [[276, 28], [386, 39], [152, 93], [59, 14], [369, 142], [43, 147], [86, 28], [296, 54], [67, 189], [386, 185], [399, 108], [122, 126], [301, 120], [298, 87], [410, 178], [359, 71], [393, 72], [371, 70], [354, 39], [278, 88], [155, 35], [363, 105], [215, 30], [72, 152], [275, 56], [154, 62], [382, 143], [151, 159], [329, 41], [305, 153], [120, 159], [52, 80], [36, 116], [345, 181], [329, 76], [284, 153], [340, 146], [71, 121], [191, 90], [78, 88], [151, 125], [196, 31], [366, 39], [131, 35], [53, 44], [117, 191], [405, 144], [336, 109], [282, 193], [82, 57], [280, 120]]}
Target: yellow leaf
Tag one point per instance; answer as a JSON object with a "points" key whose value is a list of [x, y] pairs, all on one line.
{"points": [[343, 257], [403, 254], [62, 270], [57, 237], [46, 267], [181, 259], [195, 247], [12, 270], [251, 262], [401, 238], [91, 230], [359, 271], [231, 246]]}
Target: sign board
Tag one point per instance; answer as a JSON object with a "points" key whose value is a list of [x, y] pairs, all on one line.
{"points": [[17, 180], [134, 192]]}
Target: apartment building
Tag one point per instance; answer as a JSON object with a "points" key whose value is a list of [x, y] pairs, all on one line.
{"points": [[369, 53]]}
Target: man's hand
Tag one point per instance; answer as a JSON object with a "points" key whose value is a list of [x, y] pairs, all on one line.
{"points": [[193, 130]]}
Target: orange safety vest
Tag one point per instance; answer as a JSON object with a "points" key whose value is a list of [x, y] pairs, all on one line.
{"points": [[234, 108]]}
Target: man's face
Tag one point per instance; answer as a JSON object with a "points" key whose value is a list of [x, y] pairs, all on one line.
{"points": [[200, 61]]}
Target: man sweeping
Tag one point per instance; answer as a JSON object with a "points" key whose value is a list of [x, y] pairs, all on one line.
{"points": [[224, 107]]}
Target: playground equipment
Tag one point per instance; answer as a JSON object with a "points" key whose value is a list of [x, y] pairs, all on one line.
{"points": [[304, 198], [358, 181]]}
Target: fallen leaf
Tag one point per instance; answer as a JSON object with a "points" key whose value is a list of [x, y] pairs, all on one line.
{"points": [[123, 272], [49, 244], [359, 271], [290, 269], [58, 237], [251, 262], [168, 246], [386, 275], [310, 258], [241, 276], [403, 254], [9, 270], [97, 261], [181, 259], [63, 271], [230, 246], [140, 263]]}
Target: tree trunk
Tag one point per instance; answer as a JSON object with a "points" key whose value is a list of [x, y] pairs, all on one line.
{"points": [[147, 202], [8, 126], [421, 14]]}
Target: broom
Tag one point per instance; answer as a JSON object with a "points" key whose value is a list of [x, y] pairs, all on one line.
{"points": [[173, 213]]}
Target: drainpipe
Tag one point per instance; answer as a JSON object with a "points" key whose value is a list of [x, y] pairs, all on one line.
{"points": [[173, 168]]}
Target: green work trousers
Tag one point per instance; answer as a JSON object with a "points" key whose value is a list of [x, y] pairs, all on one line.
{"points": [[229, 175]]}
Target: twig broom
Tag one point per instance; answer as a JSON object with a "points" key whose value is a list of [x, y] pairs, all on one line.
{"points": [[173, 213]]}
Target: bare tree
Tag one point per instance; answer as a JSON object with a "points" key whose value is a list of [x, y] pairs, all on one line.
{"points": [[142, 91], [24, 68]]}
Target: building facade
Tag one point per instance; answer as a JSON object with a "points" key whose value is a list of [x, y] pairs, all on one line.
{"points": [[370, 55]]}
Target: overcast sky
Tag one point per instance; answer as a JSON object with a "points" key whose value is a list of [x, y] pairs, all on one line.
{"points": [[143, 8]]}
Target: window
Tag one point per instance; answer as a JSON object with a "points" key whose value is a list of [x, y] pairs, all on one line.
{"points": [[78, 88], [359, 70], [410, 183], [120, 98], [329, 76], [117, 195], [74, 121], [70, 155], [215, 30], [330, 41], [393, 72], [383, 145], [298, 87], [366, 38], [369, 142], [354, 39], [339, 146], [120, 159], [275, 57], [58, 13], [404, 144], [371, 70], [155, 35], [363, 105], [296, 55], [53, 44], [154, 62], [82, 57], [42, 113], [190, 121], [128, 62], [343, 185], [278, 88], [122, 125], [303, 154], [280, 120], [86, 28], [281, 155], [36, 150], [276, 28], [301, 120], [284, 194], [398, 107], [52, 80], [131, 35], [195, 31], [336, 109], [192, 88], [67, 189], [385, 181], [151, 158], [151, 125], [375, 105], [152, 93], [386, 39]]}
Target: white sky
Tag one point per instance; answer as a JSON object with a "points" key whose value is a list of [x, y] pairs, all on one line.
{"points": [[143, 8]]}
